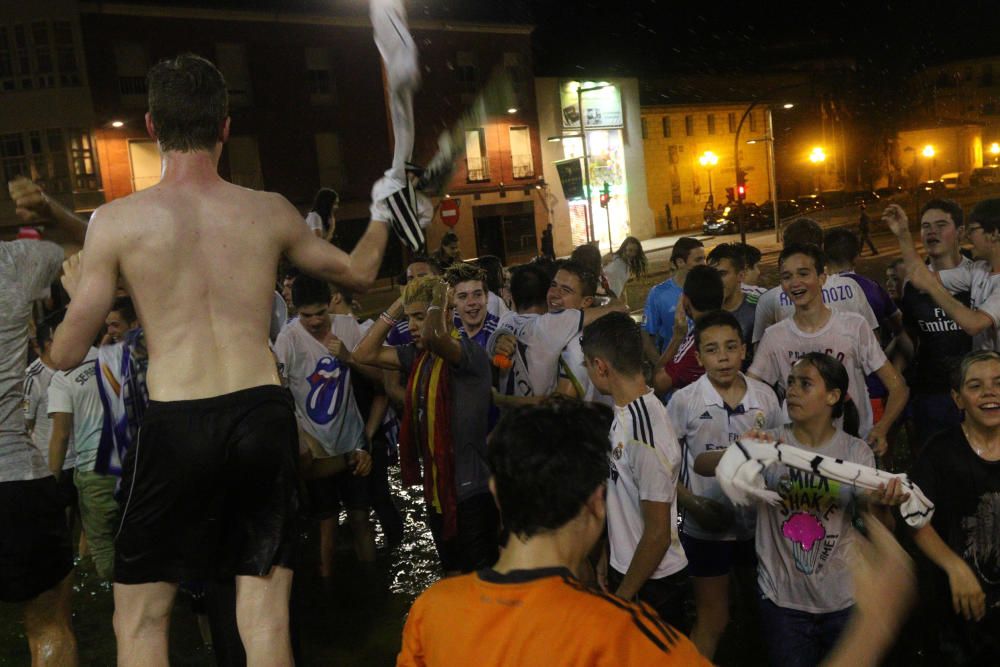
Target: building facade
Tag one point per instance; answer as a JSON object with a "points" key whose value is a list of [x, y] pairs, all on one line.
{"points": [[46, 113], [689, 154], [614, 159]]}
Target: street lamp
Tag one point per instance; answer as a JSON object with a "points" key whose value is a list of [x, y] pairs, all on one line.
{"points": [[818, 157], [586, 151], [708, 160], [929, 153], [995, 151]]}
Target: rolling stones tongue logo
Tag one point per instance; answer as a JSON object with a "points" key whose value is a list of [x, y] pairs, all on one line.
{"points": [[327, 387]]}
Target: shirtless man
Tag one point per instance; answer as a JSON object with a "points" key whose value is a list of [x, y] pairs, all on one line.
{"points": [[211, 481]]}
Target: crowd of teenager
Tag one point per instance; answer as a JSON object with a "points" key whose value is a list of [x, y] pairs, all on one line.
{"points": [[566, 437]]}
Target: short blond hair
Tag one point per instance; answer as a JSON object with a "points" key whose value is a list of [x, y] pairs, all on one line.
{"points": [[420, 290]]}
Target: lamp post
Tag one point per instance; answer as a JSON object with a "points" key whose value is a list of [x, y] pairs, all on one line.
{"points": [[929, 153], [586, 152], [736, 150], [817, 156], [708, 160]]}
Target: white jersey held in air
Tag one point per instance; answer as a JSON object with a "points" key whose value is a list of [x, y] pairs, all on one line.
{"points": [[846, 337], [540, 342], [983, 286], [321, 385], [842, 294], [704, 423], [645, 465]]}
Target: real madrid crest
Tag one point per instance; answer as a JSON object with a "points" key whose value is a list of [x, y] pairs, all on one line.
{"points": [[617, 451], [759, 421]]}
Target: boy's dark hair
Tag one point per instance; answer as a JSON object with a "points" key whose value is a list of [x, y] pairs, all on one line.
{"points": [[751, 254], [731, 251], [841, 246], [716, 318], [188, 103], [617, 339], [703, 288], [420, 259], [345, 294], [461, 272], [546, 461], [807, 249], [449, 238], [545, 264], [529, 286], [588, 281], [682, 249], [987, 214], [803, 230], [589, 256], [949, 206], [46, 329], [124, 307], [493, 267], [307, 291]]}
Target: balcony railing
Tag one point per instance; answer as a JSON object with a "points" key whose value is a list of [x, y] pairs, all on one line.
{"points": [[478, 169]]}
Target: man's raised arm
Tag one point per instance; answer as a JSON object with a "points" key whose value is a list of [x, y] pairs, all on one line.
{"points": [[34, 207], [91, 296], [356, 271]]}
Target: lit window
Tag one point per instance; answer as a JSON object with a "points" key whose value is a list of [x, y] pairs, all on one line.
{"points": [[476, 161], [520, 152], [82, 159], [319, 76]]}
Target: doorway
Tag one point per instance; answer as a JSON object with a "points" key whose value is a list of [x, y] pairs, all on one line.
{"points": [[506, 231]]}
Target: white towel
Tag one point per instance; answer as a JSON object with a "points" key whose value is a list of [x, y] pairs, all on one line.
{"points": [[740, 475], [393, 197]]}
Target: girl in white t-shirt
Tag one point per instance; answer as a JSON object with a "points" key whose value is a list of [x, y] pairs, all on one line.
{"points": [[806, 592]]}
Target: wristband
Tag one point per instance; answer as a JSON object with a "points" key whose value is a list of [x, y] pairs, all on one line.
{"points": [[388, 319]]}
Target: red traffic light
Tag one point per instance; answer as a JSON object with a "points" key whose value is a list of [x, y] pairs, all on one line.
{"points": [[605, 198], [741, 192]]}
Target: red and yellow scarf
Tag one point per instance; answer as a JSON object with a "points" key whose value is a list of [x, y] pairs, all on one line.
{"points": [[430, 377]]}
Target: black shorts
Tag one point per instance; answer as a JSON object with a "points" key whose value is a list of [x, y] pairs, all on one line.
{"points": [[715, 558], [475, 546], [326, 495], [210, 488], [35, 549]]}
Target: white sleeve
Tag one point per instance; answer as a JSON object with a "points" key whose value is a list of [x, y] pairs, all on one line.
{"points": [[314, 222], [764, 364], [992, 304], [677, 412], [561, 327], [870, 351], [31, 399], [958, 279], [59, 398], [284, 352], [653, 475], [504, 328], [764, 315]]}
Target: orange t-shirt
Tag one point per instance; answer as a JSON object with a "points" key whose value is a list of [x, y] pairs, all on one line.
{"points": [[528, 618]]}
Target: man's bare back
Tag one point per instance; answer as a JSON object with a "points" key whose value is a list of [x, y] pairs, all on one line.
{"points": [[199, 256]]}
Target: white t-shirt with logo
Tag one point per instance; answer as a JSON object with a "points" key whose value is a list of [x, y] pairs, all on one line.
{"points": [[983, 286], [75, 392], [36, 409], [540, 342], [705, 424], [321, 385], [846, 336], [842, 294], [645, 465]]}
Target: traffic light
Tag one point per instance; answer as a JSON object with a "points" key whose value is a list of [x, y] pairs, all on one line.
{"points": [[605, 195], [741, 185]]}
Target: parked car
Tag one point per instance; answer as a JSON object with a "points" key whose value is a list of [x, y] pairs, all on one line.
{"points": [[809, 203], [866, 197], [893, 192], [835, 198], [933, 187], [787, 208], [727, 220], [985, 175]]}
